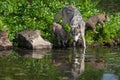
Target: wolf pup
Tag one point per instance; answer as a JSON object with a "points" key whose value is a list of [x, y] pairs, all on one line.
{"points": [[73, 17], [60, 34], [97, 19]]}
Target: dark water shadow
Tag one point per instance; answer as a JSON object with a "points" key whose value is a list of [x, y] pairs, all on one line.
{"points": [[37, 54], [109, 6], [70, 63], [5, 53]]}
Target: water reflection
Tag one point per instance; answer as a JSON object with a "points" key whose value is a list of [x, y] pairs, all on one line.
{"points": [[37, 54], [5, 53], [66, 64], [78, 65], [96, 60], [69, 63]]}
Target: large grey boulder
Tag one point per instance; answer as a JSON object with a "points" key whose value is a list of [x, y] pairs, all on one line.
{"points": [[5, 44], [31, 39]]}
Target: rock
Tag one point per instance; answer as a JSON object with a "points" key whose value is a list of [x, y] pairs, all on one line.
{"points": [[31, 39], [5, 53], [37, 54], [5, 44]]}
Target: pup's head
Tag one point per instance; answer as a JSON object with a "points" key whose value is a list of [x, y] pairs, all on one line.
{"points": [[56, 26], [106, 17]]}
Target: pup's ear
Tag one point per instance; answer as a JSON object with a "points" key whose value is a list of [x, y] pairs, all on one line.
{"points": [[104, 13], [107, 17]]}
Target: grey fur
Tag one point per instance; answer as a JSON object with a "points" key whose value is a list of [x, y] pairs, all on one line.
{"points": [[97, 19], [72, 16], [60, 34]]}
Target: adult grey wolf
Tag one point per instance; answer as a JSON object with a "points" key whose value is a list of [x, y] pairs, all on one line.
{"points": [[72, 16], [60, 34], [96, 19]]}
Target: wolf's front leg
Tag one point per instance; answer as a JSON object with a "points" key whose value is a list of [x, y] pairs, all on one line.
{"points": [[74, 43], [76, 37], [83, 40]]}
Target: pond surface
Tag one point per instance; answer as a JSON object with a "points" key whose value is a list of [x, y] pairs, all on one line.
{"points": [[60, 64]]}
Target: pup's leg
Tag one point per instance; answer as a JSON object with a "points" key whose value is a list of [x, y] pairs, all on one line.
{"points": [[102, 24], [94, 29], [63, 43], [59, 42]]}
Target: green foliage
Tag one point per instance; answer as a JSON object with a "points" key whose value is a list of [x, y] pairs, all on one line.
{"points": [[19, 15]]}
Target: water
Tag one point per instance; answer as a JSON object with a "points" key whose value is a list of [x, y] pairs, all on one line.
{"points": [[60, 64]]}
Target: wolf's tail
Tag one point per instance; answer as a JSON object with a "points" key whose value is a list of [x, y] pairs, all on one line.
{"points": [[58, 15]]}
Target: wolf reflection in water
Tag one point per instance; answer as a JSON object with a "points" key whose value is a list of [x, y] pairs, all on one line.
{"points": [[70, 67], [78, 64]]}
